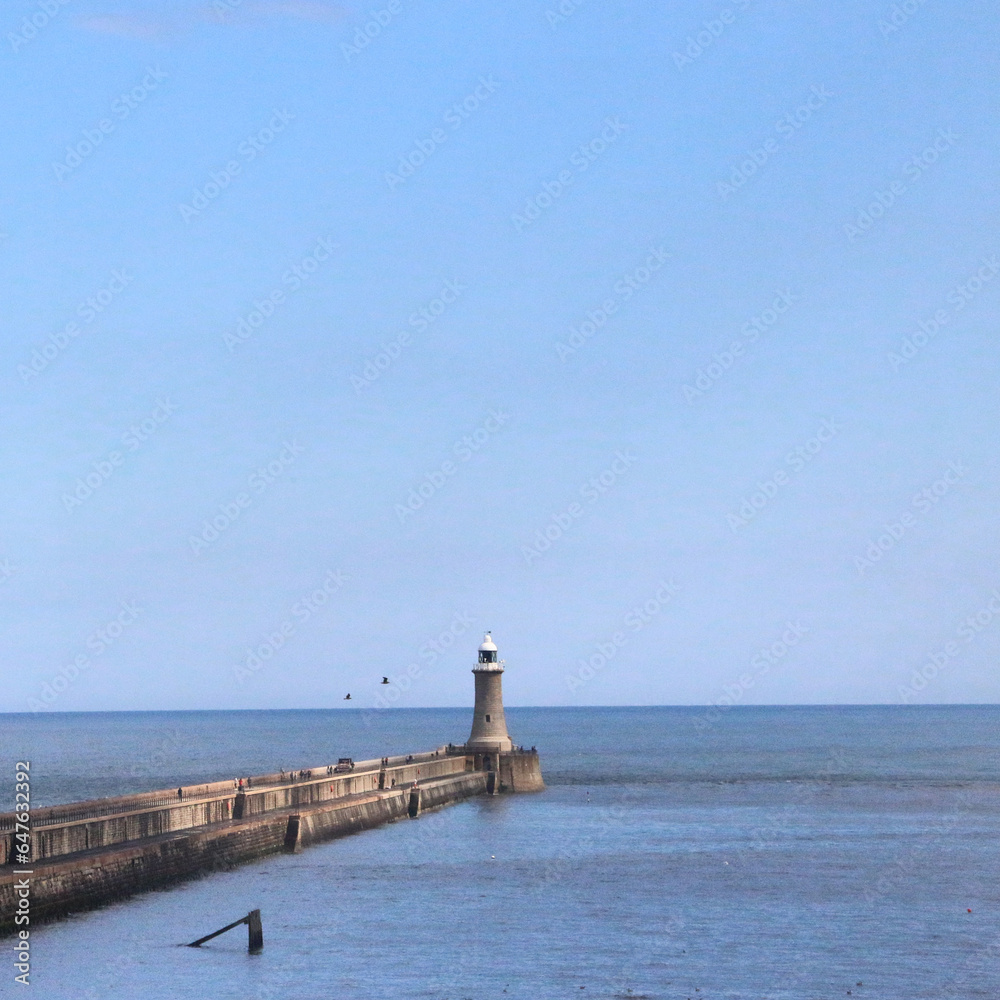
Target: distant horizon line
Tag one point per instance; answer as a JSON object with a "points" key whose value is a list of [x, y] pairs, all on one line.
{"points": [[438, 708]]}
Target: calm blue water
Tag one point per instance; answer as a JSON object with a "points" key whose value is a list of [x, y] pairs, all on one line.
{"points": [[783, 853]]}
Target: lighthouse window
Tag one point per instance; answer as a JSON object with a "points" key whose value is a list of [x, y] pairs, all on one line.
{"points": [[487, 718]]}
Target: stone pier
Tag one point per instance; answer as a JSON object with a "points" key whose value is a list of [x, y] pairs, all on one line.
{"points": [[86, 854]]}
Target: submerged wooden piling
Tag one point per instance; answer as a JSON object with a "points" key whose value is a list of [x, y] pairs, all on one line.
{"points": [[255, 932]]}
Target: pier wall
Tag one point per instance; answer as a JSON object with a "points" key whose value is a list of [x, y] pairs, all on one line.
{"points": [[441, 793], [85, 881], [85, 826], [85, 835], [86, 854]]}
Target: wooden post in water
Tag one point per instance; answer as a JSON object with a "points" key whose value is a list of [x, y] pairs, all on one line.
{"points": [[255, 940], [255, 932]]}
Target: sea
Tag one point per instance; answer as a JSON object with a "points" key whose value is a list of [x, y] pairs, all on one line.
{"points": [[773, 852]]}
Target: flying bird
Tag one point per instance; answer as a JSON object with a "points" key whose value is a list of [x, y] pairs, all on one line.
{"points": [[385, 680], [347, 697]]}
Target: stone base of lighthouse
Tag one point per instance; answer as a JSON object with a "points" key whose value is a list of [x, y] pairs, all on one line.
{"points": [[506, 771]]}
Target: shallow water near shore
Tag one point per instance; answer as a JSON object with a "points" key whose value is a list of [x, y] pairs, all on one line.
{"points": [[778, 852]]}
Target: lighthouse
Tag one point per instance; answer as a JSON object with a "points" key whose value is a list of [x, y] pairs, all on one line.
{"points": [[489, 728]]}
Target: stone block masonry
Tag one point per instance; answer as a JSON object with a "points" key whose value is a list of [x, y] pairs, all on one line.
{"points": [[520, 772]]}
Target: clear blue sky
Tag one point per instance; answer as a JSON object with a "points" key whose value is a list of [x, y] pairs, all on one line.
{"points": [[686, 247]]}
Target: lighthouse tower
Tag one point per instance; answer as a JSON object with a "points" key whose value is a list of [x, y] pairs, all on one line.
{"points": [[489, 728]]}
